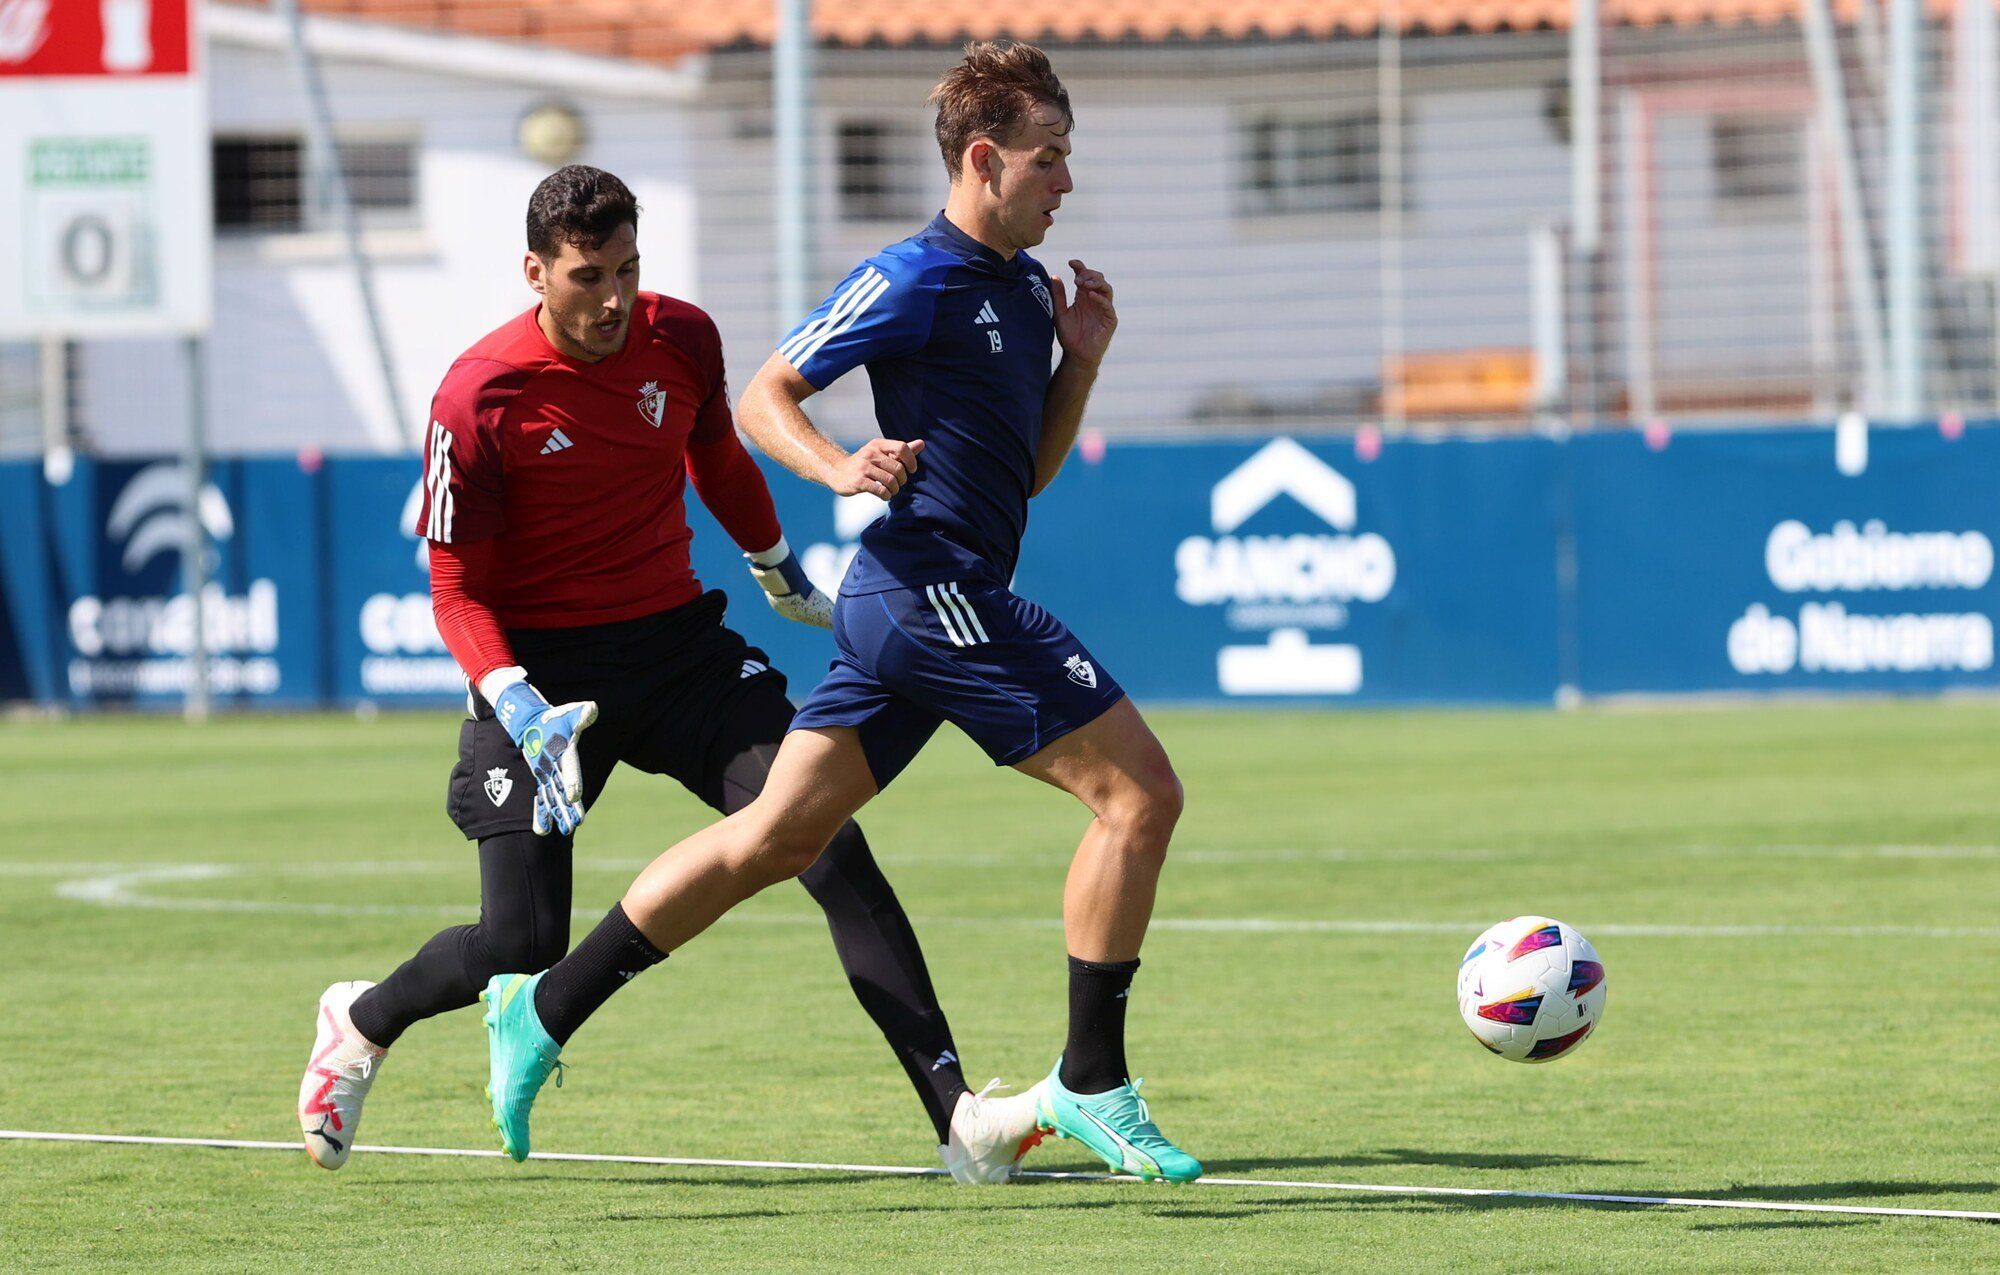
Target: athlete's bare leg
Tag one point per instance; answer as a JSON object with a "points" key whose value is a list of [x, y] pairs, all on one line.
{"points": [[1117, 768], [818, 781]]}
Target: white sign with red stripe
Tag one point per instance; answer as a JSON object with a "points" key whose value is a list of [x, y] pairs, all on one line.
{"points": [[104, 169]]}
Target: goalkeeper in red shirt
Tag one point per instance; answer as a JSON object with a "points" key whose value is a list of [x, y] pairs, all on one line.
{"points": [[557, 462]]}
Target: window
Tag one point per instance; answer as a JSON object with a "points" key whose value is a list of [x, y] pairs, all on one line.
{"points": [[380, 174], [880, 171], [1311, 163], [1759, 159], [265, 184], [258, 183]]}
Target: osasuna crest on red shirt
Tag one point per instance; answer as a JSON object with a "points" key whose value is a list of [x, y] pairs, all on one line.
{"points": [[652, 403]]}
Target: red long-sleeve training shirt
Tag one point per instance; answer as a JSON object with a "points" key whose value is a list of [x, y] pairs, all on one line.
{"points": [[555, 490]]}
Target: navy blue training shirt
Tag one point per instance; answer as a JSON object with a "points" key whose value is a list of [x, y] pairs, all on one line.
{"points": [[957, 341]]}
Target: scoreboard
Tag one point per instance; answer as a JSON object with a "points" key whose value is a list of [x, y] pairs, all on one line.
{"points": [[104, 170]]}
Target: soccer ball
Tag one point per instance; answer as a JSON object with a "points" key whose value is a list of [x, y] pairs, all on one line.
{"points": [[1531, 989]]}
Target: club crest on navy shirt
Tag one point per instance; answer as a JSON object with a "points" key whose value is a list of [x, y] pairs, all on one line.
{"points": [[1041, 291]]}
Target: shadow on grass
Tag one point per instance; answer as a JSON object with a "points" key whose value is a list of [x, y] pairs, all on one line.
{"points": [[1810, 1191], [728, 1215], [1795, 1223], [1408, 1155], [1165, 1203], [1210, 1210], [668, 1176]]}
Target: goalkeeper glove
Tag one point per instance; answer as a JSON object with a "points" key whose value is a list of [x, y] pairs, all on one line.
{"points": [[547, 737], [788, 589]]}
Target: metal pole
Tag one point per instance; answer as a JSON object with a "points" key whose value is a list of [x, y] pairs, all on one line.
{"points": [[194, 546], [1546, 282], [1635, 198], [55, 395], [1822, 282], [1979, 136], [791, 87], [1585, 140], [1389, 161], [1586, 211], [1903, 221], [1978, 84], [330, 184], [1857, 250]]}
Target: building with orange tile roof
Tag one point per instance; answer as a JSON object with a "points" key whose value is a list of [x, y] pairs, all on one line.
{"points": [[1275, 270]]}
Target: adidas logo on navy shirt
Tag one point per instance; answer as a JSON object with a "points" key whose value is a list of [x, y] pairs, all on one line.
{"points": [[986, 314], [557, 442]]}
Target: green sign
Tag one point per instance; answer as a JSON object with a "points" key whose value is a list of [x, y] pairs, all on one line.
{"points": [[88, 161]]}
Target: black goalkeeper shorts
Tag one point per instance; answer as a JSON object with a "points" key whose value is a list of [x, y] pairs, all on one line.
{"points": [[678, 693]]}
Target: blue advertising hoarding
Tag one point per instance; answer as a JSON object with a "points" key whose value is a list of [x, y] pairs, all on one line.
{"points": [[1767, 560], [1238, 571], [1256, 571], [92, 573], [381, 643]]}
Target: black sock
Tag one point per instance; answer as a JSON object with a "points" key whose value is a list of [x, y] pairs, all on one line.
{"points": [[1094, 1059], [609, 957], [939, 1081], [436, 975], [524, 893]]}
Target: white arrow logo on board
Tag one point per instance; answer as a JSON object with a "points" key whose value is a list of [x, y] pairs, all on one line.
{"points": [[1282, 468], [1287, 663]]}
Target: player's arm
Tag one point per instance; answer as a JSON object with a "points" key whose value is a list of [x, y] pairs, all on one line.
{"points": [[733, 488], [460, 517], [461, 586], [772, 414], [1084, 327], [883, 309]]}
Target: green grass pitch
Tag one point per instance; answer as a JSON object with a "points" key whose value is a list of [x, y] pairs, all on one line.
{"points": [[1796, 905]]}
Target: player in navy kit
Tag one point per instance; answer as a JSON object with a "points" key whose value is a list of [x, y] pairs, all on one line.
{"points": [[956, 326], [557, 463]]}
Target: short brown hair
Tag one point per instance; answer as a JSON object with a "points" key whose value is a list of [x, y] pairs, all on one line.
{"points": [[990, 94], [577, 205]]}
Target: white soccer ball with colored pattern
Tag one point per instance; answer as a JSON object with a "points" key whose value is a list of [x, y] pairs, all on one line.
{"points": [[1531, 989]]}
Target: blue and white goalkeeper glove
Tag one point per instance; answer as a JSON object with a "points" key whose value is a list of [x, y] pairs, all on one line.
{"points": [[788, 589], [547, 737]]}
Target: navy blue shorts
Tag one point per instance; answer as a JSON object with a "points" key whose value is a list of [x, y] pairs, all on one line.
{"points": [[1000, 668]]}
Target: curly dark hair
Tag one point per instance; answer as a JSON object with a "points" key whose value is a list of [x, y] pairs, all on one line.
{"points": [[577, 205], [990, 93]]}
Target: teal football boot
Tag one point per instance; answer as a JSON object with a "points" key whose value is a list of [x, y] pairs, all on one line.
{"points": [[520, 1057], [1117, 1127]]}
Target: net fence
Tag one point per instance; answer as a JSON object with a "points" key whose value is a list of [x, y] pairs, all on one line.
{"points": [[1310, 226]]}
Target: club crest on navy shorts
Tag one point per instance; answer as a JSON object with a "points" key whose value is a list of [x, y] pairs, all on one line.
{"points": [[968, 652]]}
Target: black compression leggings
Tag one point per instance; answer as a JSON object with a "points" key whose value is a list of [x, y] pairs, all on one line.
{"points": [[524, 915]]}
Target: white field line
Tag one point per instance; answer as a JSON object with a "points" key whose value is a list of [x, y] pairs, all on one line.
{"points": [[899, 1170], [127, 890]]}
